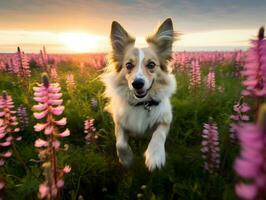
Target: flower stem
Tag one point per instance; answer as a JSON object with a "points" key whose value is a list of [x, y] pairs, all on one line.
{"points": [[20, 158]]}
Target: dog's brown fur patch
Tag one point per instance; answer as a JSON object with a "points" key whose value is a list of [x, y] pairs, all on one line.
{"points": [[162, 41], [120, 41]]}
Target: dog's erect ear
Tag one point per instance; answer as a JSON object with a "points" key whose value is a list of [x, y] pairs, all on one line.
{"points": [[120, 39], [163, 40]]}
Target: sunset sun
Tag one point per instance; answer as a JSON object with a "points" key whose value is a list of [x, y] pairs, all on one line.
{"points": [[79, 42]]}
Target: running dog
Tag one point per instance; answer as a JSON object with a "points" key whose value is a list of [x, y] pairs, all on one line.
{"points": [[139, 85]]}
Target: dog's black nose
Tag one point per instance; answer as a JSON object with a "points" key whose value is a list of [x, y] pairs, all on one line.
{"points": [[138, 83]]}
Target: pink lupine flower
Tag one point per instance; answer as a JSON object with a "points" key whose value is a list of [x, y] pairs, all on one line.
{"points": [[60, 184], [94, 104], [89, 130], [43, 59], [67, 169], [97, 61], [238, 62], [10, 66], [70, 82], [2, 66], [195, 79], [240, 116], [184, 62], [53, 73], [2, 185], [48, 109], [4, 142], [174, 64], [211, 80], [6, 154], [40, 143], [255, 68], [81, 67], [7, 114], [43, 190], [250, 165], [14, 66], [22, 64], [61, 122], [26, 72], [8, 128], [239, 58], [210, 147], [22, 117], [65, 133]]}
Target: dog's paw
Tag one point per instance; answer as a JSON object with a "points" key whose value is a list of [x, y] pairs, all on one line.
{"points": [[155, 157], [125, 155]]}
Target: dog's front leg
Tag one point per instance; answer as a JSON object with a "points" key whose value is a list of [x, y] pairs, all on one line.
{"points": [[124, 151], [155, 153]]}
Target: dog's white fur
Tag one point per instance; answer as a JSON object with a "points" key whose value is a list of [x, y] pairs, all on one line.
{"points": [[131, 120]]}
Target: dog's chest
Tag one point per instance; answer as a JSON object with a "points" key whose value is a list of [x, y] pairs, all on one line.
{"points": [[137, 119]]}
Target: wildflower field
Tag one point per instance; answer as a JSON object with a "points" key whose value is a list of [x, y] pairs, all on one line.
{"points": [[57, 142]]}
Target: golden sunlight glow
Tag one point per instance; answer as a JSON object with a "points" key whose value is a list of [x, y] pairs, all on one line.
{"points": [[79, 42], [231, 37]]}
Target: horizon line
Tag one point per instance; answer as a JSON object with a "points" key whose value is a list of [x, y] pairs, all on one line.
{"points": [[177, 49]]}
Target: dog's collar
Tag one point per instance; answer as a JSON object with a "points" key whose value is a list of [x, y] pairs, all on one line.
{"points": [[148, 104]]}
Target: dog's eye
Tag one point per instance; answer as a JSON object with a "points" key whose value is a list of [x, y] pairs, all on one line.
{"points": [[129, 65], [151, 65]]}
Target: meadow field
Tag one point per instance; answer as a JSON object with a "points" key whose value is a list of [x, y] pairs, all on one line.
{"points": [[95, 170], [66, 65]]}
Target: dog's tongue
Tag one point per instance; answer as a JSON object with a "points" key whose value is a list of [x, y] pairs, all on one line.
{"points": [[140, 92]]}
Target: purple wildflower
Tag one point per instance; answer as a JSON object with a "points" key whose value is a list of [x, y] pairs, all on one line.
{"points": [[90, 131], [70, 82], [195, 74], [210, 147], [211, 80], [22, 64], [240, 109], [94, 104], [22, 117], [250, 165], [255, 70]]}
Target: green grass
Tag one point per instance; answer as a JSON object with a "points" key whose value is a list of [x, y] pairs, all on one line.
{"points": [[96, 172]]}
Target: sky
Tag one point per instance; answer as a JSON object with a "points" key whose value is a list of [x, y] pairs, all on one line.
{"points": [[67, 26]]}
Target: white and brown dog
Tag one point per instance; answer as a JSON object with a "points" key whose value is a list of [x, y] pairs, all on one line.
{"points": [[139, 86]]}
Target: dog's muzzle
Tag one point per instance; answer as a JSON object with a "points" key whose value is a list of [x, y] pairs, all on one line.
{"points": [[138, 85], [139, 90]]}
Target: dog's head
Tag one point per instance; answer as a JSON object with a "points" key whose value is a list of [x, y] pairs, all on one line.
{"points": [[141, 66]]}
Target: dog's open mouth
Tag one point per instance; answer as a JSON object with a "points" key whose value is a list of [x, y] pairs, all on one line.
{"points": [[140, 93]]}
